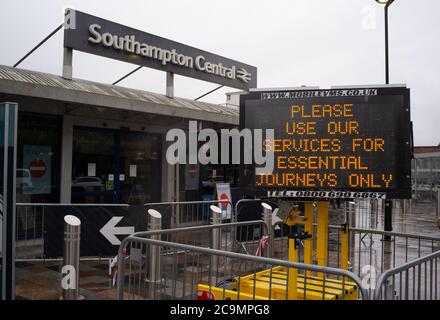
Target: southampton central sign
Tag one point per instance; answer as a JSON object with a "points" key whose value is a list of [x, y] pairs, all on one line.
{"points": [[105, 38]]}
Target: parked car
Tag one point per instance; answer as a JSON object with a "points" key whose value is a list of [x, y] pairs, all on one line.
{"points": [[212, 180], [87, 184], [24, 179]]}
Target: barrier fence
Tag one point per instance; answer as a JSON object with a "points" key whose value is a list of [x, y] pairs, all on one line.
{"points": [[415, 280], [369, 252], [196, 271], [35, 222], [39, 227], [189, 213]]}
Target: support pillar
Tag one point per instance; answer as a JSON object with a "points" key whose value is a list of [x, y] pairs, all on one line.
{"points": [[170, 85], [308, 228], [388, 218], [322, 236], [67, 63], [345, 239], [292, 285]]}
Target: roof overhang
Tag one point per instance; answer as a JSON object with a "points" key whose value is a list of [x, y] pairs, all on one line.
{"points": [[21, 82]]}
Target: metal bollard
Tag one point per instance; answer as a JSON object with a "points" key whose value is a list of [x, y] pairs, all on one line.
{"points": [[70, 269], [267, 218], [154, 223], [216, 218]]}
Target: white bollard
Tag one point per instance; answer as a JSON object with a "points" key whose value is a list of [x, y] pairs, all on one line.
{"points": [[216, 218], [154, 223], [267, 218], [70, 269]]}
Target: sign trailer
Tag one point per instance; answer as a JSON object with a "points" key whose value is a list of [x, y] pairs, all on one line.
{"points": [[339, 143]]}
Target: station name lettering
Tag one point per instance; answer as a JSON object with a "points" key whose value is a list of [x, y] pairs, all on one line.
{"points": [[129, 44]]}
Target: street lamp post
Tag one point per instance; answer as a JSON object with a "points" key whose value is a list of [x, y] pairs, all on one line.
{"points": [[388, 223], [387, 4]]}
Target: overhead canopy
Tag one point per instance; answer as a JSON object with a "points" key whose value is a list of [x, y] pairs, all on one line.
{"points": [[22, 82]]}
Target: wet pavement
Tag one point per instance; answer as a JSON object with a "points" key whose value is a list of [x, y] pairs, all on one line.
{"points": [[42, 280]]}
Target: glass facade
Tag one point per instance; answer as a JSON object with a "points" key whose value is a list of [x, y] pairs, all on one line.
{"points": [[108, 165], [426, 177], [115, 166], [197, 182]]}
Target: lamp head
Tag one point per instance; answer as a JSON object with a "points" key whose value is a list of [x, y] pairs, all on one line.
{"points": [[385, 2]]}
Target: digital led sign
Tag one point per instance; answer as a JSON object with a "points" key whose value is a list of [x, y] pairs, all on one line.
{"points": [[339, 143]]}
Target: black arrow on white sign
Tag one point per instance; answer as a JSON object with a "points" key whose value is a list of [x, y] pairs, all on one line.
{"points": [[109, 230]]}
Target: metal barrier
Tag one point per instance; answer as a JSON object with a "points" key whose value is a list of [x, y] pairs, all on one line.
{"points": [[39, 254], [30, 227], [188, 213], [188, 270], [366, 213], [369, 254], [367, 247], [415, 280]]}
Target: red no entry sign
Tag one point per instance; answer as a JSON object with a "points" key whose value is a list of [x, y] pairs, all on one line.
{"points": [[37, 168], [224, 199]]}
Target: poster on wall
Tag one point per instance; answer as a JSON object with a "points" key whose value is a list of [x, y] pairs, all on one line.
{"points": [[223, 191], [191, 177], [34, 177]]}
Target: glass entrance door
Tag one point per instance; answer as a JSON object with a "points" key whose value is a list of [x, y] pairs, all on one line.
{"points": [[140, 168], [114, 166], [93, 166]]}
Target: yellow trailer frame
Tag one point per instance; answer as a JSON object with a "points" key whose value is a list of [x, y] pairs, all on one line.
{"points": [[273, 283]]}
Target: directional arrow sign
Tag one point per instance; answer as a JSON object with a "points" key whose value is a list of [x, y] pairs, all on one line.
{"points": [[109, 230]]}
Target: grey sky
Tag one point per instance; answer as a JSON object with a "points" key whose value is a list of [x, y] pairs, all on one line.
{"points": [[292, 42]]}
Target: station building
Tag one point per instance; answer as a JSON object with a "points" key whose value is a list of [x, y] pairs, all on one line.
{"points": [[86, 142], [426, 172]]}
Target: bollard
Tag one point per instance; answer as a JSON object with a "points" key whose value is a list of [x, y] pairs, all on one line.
{"points": [[267, 218], [216, 218], [70, 269], [154, 223]]}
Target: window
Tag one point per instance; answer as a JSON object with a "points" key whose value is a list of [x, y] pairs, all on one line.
{"points": [[38, 157]]}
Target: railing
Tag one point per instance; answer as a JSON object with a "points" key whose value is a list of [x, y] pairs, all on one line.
{"points": [[186, 268], [188, 213], [370, 252], [415, 280]]}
